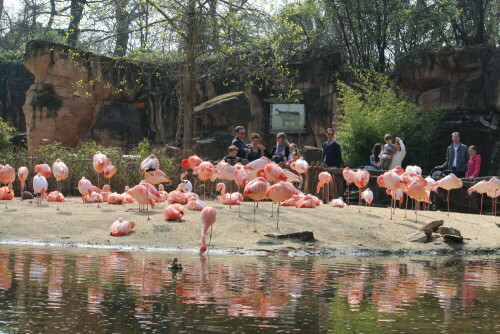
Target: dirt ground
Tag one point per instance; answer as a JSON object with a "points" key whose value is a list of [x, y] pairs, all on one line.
{"points": [[336, 230]]}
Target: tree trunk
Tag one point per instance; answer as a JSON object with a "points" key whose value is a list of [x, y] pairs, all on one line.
{"points": [[77, 7], [122, 26], [1, 9], [53, 13]]}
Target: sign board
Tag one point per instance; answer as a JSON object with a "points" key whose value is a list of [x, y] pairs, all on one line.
{"points": [[288, 118]]}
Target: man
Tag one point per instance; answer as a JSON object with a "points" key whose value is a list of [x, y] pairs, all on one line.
{"points": [[332, 154], [457, 157], [239, 136]]}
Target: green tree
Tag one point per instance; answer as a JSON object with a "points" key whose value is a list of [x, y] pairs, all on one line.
{"points": [[5, 136], [372, 107]]}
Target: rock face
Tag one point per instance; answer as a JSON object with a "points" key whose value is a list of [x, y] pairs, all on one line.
{"points": [[465, 83], [78, 95]]}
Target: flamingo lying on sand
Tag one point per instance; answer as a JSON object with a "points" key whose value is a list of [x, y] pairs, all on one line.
{"points": [[208, 217], [173, 211], [6, 194], [55, 196], [338, 203], [121, 227], [230, 198], [195, 204]]}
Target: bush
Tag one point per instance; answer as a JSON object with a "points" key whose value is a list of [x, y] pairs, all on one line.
{"points": [[372, 107]]}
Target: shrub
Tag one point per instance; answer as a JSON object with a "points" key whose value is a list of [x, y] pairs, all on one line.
{"points": [[372, 107]]}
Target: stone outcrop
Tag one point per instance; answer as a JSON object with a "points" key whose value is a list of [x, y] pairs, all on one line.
{"points": [[78, 95], [465, 84]]}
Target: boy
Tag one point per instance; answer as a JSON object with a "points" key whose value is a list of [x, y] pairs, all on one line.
{"points": [[231, 157], [387, 152]]}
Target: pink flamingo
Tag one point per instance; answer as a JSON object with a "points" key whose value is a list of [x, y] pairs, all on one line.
{"points": [[6, 194], [308, 201], [255, 166], [195, 204], [449, 182], [105, 192], [141, 194], [256, 190], [323, 179], [22, 174], [156, 177], [178, 195], [173, 211], [292, 201], [419, 193], [230, 198], [493, 191], [55, 196], [481, 188], [338, 203], [227, 173], [114, 198], [7, 176], [151, 163], [279, 192], [392, 181], [191, 162], [272, 172], [43, 169], [109, 171], [292, 177], [208, 217], [121, 227], [300, 166], [348, 175], [40, 186], [99, 162], [361, 179], [84, 187], [60, 172], [367, 195]]}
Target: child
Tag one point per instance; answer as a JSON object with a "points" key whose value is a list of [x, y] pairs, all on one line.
{"points": [[374, 158], [231, 157], [387, 152], [474, 162], [293, 149]]}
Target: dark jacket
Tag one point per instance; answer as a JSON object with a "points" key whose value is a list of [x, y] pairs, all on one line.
{"points": [[462, 158], [241, 148], [279, 159], [332, 154]]}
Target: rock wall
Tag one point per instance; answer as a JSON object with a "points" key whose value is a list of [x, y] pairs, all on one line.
{"points": [[465, 83]]}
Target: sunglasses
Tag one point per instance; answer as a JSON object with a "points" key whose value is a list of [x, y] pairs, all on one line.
{"points": [[329, 134]]}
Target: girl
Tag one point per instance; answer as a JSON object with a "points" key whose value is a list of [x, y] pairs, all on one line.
{"points": [[474, 162]]}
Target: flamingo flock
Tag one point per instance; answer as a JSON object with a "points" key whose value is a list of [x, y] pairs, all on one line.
{"points": [[258, 180]]}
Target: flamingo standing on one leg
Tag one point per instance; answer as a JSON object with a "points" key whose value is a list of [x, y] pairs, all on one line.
{"points": [[208, 217], [361, 179], [99, 162], [323, 179], [300, 166], [141, 194], [493, 191], [256, 190], [367, 195], [22, 174], [279, 192], [480, 188], [43, 169], [39, 187], [348, 175], [419, 193], [449, 182], [7, 176], [60, 172], [84, 187]]}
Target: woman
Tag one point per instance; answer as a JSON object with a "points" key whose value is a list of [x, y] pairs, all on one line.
{"points": [[375, 162], [474, 162], [256, 149], [281, 151], [398, 157]]}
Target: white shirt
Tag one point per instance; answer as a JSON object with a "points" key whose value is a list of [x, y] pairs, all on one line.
{"points": [[455, 157], [398, 157]]}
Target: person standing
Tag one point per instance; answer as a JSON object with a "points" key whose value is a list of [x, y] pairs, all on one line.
{"points": [[474, 165], [397, 158], [332, 154], [457, 157], [238, 141]]}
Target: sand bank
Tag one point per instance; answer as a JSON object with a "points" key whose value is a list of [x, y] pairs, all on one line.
{"points": [[337, 231]]}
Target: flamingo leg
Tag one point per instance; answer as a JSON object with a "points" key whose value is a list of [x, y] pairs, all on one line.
{"points": [[481, 210], [416, 215], [348, 193], [278, 221], [272, 208], [359, 200], [209, 239], [448, 201], [392, 199], [254, 226]]}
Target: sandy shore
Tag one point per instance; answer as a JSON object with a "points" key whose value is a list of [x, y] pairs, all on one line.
{"points": [[337, 231]]}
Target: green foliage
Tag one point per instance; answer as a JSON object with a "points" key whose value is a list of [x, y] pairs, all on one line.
{"points": [[5, 136], [371, 108]]}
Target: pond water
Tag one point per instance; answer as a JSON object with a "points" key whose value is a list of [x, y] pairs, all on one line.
{"points": [[108, 291]]}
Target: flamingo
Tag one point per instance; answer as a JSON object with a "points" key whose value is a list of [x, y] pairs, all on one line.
{"points": [[255, 166], [279, 192], [323, 179], [141, 194], [84, 187], [272, 172], [291, 176], [449, 182], [40, 186], [105, 192], [114, 198], [308, 201], [481, 188], [121, 227], [419, 193], [205, 171], [156, 177], [94, 197], [348, 175], [7, 176], [126, 196], [60, 172], [208, 217], [178, 195], [6, 194], [230, 198], [367, 195], [99, 162], [163, 194], [361, 179], [300, 166], [173, 211], [55, 196], [109, 171], [493, 191], [227, 173], [22, 174], [151, 163], [191, 162], [292, 201], [392, 181], [43, 169], [256, 190], [195, 204], [338, 203]]}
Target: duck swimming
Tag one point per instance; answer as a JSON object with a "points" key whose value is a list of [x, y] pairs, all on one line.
{"points": [[174, 265]]}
